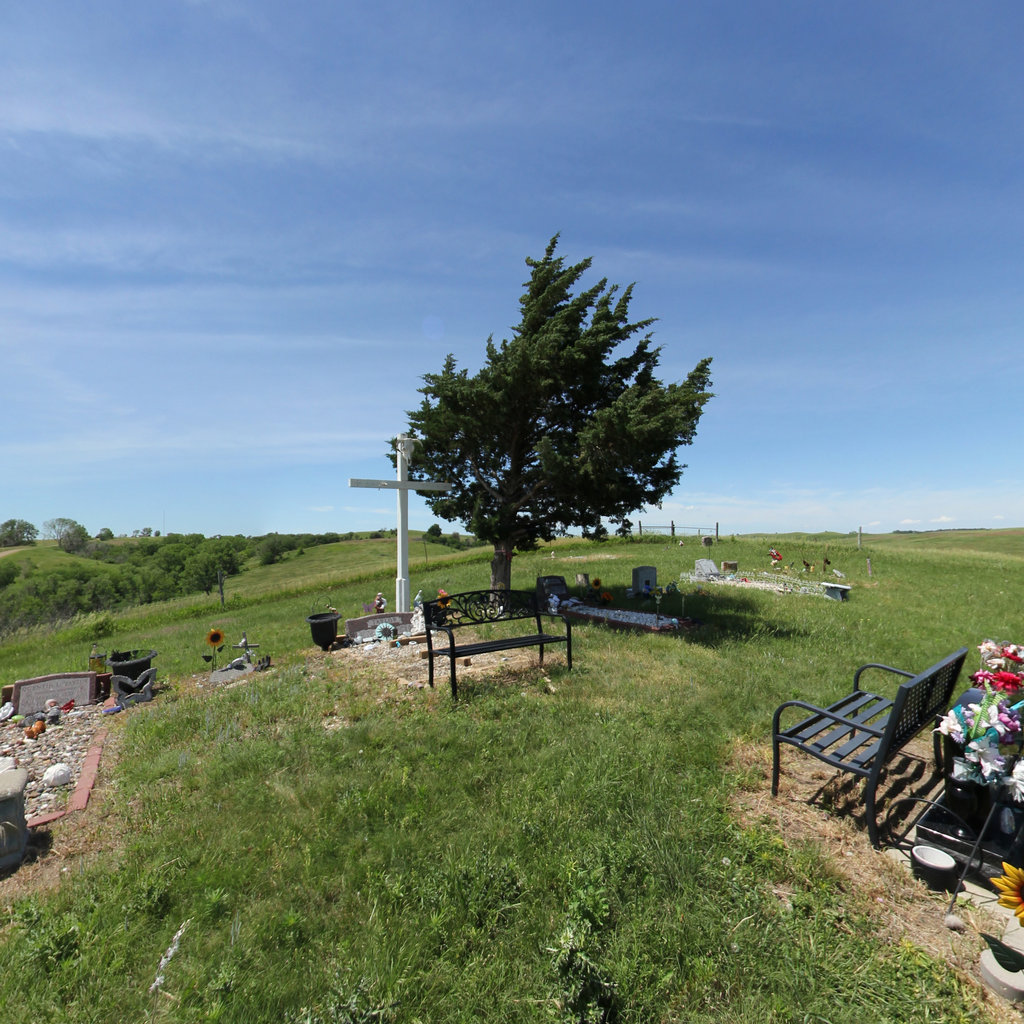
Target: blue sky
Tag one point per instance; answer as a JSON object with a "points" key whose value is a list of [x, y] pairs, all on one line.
{"points": [[234, 234]]}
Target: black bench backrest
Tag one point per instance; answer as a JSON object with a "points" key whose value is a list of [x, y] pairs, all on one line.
{"points": [[918, 701], [474, 607]]}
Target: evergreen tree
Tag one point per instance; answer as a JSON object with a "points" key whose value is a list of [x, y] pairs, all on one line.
{"points": [[558, 429]]}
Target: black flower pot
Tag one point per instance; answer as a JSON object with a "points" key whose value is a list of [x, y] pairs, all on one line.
{"points": [[324, 627], [129, 663]]}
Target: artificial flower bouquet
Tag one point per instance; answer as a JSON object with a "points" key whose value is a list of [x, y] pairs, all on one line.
{"points": [[985, 732], [1002, 666]]}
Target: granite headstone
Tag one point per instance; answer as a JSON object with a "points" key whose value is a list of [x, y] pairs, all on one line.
{"points": [[31, 695]]}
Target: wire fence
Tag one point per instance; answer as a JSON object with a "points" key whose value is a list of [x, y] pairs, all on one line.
{"points": [[676, 530]]}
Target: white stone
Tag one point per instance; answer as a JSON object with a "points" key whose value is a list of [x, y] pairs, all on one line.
{"points": [[57, 775]]}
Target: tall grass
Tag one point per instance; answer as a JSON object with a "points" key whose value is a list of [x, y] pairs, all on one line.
{"points": [[553, 846]]}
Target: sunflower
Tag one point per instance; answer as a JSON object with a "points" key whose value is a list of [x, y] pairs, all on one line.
{"points": [[596, 582], [1011, 890], [215, 637]]}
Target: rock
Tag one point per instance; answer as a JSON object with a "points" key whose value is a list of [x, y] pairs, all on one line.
{"points": [[57, 775]]}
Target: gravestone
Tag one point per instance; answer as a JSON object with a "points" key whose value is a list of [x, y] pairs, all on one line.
{"points": [[705, 568], [549, 587], [31, 695], [365, 627], [645, 577], [583, 579]]}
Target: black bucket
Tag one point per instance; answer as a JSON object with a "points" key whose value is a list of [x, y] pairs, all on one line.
{"points": [[129, 663], [324, 627]]}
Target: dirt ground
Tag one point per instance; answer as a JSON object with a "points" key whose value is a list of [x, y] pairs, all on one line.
{"points": [[814, 805]]}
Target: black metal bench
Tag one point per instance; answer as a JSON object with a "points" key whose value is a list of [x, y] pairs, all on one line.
{"points": [[863, 732], [487, 607]]}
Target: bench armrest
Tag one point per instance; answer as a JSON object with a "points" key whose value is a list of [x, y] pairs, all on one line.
{"points": [[885, 668], [824, 713], [447, 630]]}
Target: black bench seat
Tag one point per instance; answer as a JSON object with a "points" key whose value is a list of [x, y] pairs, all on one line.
{"points": [[448, 613], [861, 732]]}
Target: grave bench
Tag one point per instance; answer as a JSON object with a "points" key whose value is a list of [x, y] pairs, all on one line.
{"points": [[478, 608], [863, 731]]}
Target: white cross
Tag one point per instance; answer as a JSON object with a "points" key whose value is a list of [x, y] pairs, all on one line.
{"points": [[403, 485]]}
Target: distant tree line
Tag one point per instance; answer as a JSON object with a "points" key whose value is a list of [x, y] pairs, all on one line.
{"points": [[108, 574], [435, 535]]}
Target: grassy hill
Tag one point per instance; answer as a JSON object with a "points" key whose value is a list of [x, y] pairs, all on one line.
{"points": [[329, 844]]}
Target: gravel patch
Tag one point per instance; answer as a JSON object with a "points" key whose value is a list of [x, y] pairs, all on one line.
{"points": [[66, 743]]}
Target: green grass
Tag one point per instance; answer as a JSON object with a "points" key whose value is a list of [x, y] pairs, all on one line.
{"points": [[533, 852]]}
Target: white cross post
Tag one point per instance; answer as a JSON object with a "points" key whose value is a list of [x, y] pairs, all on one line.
{"points": [[403, 485]]}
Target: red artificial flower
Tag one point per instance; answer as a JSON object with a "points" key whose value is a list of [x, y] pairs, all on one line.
{"points": [[1010, 656], [1009, 682]]}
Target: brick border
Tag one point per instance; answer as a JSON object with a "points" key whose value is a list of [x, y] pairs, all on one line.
{"points": [[86, 780]]}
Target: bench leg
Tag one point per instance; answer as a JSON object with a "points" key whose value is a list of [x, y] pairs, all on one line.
{"points": [[775, 766], [869, 813], [455, 691]]}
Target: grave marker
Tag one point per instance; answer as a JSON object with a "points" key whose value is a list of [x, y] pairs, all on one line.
{"points": [[705, 568], [31, 695], [645, 577], [365, 627], [549, 587], [403, 447]]}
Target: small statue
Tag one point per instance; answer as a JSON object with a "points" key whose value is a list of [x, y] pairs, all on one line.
{"points": [[380, 602]]}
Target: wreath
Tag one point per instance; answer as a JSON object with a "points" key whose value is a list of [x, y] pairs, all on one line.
{"points": [[385, 631]]}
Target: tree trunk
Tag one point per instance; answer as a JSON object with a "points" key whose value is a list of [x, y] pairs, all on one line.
{"points": [[501, 566]]}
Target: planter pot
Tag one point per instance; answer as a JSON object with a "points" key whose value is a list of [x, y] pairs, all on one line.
{"points": [[970, 802], [129, 663], [936, 868], [324, 627]]}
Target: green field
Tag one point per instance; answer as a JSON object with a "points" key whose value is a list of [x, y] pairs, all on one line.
{"points": [[555, 846]]}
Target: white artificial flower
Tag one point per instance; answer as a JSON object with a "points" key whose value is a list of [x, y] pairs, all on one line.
{"points": [[990, 761], [1015, 782], [950, 725]]}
